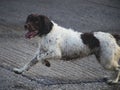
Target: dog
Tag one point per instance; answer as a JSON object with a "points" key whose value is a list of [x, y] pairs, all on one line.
{"points": [[56, 42]]}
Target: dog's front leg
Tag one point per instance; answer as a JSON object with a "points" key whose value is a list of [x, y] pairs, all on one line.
{"points": [[26, 67]]}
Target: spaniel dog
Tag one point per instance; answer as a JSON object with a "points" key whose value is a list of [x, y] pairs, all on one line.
{"points": [[56, 42]]}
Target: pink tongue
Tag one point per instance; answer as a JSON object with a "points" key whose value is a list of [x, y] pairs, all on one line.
{"points": [[30, 34]]}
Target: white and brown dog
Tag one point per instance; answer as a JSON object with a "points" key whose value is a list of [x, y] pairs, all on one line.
{"points": [[56, 42]]}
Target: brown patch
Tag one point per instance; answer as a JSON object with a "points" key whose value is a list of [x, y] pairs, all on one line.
{"points": [[91, 41]]}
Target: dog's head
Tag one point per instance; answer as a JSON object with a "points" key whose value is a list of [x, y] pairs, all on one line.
{"points": [[37, 25]]}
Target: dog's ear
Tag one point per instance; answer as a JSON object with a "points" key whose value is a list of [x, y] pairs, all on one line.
{"points": [[46, 25], [32, 18]]}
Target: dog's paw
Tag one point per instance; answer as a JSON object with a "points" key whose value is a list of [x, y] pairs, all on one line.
{"points": [[17, 71], [112, 82], [106, 78]]}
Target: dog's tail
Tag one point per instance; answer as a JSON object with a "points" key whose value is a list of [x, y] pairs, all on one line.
{"points": [[117, 37]]}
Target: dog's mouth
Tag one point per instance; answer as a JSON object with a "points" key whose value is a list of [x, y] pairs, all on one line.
{"points": [[32, 31], [31, 34]]}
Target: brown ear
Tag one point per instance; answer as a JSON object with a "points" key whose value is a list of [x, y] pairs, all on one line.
{"points": [[31, 17], [46, 25]]}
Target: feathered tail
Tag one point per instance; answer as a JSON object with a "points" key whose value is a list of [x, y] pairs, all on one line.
{"points": [[117, 37]]}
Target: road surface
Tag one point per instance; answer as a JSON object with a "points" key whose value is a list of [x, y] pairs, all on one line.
{"points": [[80, 15]]}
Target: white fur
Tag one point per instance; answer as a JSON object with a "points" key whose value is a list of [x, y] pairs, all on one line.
{"points": [[62, 43], [108, 48]]}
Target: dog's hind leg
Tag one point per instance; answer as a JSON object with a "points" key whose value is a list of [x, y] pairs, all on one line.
{"points": [[115, 81], [26, 67]]}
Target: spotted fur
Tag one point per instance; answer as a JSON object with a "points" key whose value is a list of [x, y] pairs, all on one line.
{"points": [[56, 42]]}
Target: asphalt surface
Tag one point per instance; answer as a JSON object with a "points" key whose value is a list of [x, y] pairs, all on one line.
{"points": [[80, 15]]}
